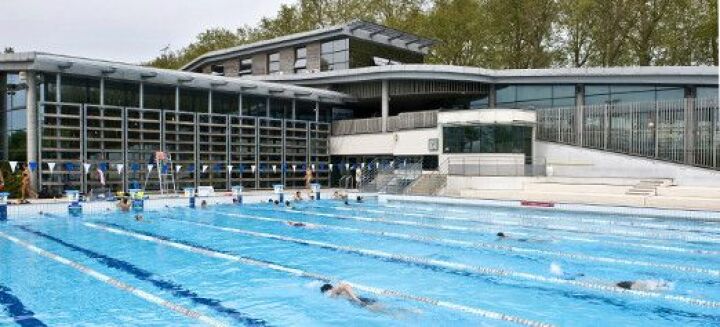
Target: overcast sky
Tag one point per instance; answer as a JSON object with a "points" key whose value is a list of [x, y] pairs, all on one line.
{"points": [[125, 30]]}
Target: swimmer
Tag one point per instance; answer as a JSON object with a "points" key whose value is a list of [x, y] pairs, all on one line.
{"points": [[648, 285], [359, 199], [203, 204], [270, 201], [298, 224], [297, 197], [124, 205], [138, 217], [346, 202], [336, 196], [276, 202], [287, 203], [557, 270], [345, 291], [502, 236]]}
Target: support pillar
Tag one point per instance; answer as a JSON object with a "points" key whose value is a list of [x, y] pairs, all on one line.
{"points": [[210, 108], [385, 106], [317, 111], [177, 98], [690, 126], [579, 113], [32, 123]]}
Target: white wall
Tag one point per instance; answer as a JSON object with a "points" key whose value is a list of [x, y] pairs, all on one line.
{"points": [[573, 161], [486, 116], [410, 142]]}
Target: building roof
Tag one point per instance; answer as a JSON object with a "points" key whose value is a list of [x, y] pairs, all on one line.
{"points": [[357, 29], [53, 63], [693, 75]]}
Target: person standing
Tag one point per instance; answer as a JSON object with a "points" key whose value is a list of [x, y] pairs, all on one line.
{"points": [[308, 177], [25, 188]]}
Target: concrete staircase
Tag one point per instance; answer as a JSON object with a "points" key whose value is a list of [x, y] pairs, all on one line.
{"points": [[428, 184], [648, 187]]}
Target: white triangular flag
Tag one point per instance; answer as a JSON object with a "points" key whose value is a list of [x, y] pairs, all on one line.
{"points": [[150, 168], [312, 167], [13, 165], [87, 167], [252, 168], [205, 167], [377, 164], [330, 165], [294, 167], [177, 168], [404, 162], [230, 167], [362, 165], [119, 168], [274, 168], [51, 165], [347, 166]]}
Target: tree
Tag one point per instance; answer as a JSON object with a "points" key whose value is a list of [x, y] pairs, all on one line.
{"points": [[212, 39], [9, 50], [459, 24], [575, 31]]}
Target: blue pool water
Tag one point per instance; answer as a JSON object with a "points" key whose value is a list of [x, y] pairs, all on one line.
{"points": [[427, 264]]}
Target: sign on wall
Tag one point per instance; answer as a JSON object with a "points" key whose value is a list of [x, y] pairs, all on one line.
{"points": [[433, 144]]}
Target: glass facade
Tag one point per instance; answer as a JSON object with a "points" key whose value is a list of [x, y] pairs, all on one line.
{"points": [[364, 54], [123, 94], [193, 100], [158, 97], [80, 89], [488, 139], [245, 67], [14, 116], [224, 103], [304, 110], [254, 105], [615, 94], [534, 96], [301, 60], [335, 55], [280, 108], [705, 92]]}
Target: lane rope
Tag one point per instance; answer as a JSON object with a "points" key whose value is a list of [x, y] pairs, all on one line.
{"points": [[300, 273], [116, 283], [489, 246], [481, 230], [458, 266]]}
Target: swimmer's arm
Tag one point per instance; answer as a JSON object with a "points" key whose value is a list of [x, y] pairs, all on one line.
{"points": [[345, 289]]}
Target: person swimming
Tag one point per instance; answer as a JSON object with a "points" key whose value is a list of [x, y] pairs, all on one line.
{"points": [[501, 236], [346, 291], [648, 285], [298, 196], [203, 204], [336, 196], [139, 217], [359, 199], [276, 202], [124, 205], [298, 224]]}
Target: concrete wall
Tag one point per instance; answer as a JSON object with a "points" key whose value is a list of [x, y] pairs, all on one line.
{"points": [[411, 142], [572, 161], [259, 64], [486, 116], [287, 60]]}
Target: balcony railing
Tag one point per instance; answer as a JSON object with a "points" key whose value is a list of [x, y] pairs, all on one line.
{"points": [[403, 121]]}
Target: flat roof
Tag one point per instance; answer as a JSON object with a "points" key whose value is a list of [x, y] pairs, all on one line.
{"points": [[53, 63], [691, 75], [357, 29]]}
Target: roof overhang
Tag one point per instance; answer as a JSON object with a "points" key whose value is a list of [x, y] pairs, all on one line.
{"points": [[51, 63], [356, 29], [671, 75]]}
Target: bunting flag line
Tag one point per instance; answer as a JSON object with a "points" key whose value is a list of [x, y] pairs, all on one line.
{"points": [[274, 167], [362, 165], [177, 168], [331, 166], [229, 168], [13, 165], [204, 168], [51, 166], [312, 167], [377, 164], [87, 167], [119, 168], [294, 168], [150, 168], [252, 168], [347, 166]]}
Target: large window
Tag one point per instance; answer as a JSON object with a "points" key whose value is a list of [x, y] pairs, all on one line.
{"points": [[254, 105], [301, 60], [124, 94], [193, 100], [245, 67], [334, 55], [224, 103], [488, 139], [534, 96], [158, 97], [15, 121], [218, 70], [615, 94], [305, 110], [273, 63], [79, 89], [704, 92], [280, 108]]}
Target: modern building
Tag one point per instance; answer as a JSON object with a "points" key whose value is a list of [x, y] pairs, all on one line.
{"points": [[352, 95]]}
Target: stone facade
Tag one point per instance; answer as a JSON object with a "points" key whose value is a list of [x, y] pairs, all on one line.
{"points": [[287, 60], [232, 67], [313, 57], [259, 64]]}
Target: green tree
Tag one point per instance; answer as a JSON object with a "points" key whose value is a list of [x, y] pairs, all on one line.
{"points": [[575, 31]]}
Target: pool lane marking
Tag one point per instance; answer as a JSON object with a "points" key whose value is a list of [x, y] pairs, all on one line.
{"points": [[115, 283], [658, 226], [175, 289], [209, 252], [666, 248], [20, 314], [580, 230], [482, 245], [458, 266]]}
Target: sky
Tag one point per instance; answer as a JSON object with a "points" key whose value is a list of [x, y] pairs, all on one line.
{"points": [[131, 31]]}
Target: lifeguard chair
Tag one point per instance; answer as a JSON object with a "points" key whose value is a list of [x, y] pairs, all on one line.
{"points": [[165, 171]]}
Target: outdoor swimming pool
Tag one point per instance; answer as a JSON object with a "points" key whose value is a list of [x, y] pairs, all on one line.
{"points": [[428, 264]]}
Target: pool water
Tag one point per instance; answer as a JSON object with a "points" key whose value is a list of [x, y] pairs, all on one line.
{"points": [[425, 264]]}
